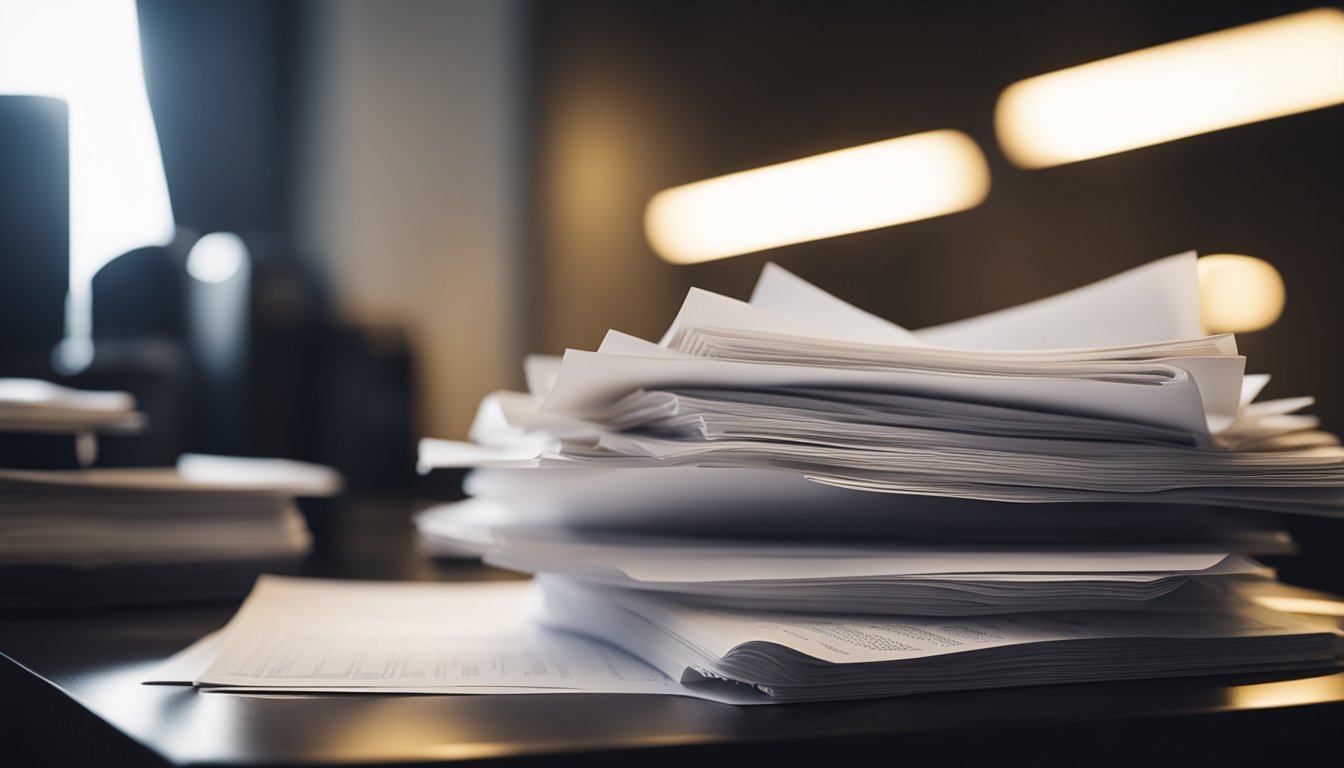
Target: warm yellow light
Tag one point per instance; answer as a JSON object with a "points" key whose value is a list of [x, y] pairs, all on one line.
{"points": [[1312, 605], [1238, 293], [849, 190], [1285, 693], [1254, 72]]}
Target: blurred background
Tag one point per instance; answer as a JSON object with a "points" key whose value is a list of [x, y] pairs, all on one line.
{"points": [[373, 210]]}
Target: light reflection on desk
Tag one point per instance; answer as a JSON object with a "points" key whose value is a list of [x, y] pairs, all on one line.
{"points": [[1287, 693]]}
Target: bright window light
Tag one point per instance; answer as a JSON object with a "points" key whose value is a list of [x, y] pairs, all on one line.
{"points": [[87, 52], [1238, 294], [1236, 76], [836, 193]]}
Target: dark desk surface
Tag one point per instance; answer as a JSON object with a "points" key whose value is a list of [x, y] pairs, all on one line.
{"points": [[70, 693]]}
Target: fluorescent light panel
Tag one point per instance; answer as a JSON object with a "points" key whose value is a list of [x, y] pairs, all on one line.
{"points": [[1236, 76], [836, 193]]}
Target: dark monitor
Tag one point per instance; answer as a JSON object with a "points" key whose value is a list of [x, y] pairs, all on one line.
{"points": [[34, 231]]}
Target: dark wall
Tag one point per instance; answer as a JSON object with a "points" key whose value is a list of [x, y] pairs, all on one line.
{"points": [[219, 77]]}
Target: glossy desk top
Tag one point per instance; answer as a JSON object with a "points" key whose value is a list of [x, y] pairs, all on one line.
{"points": [[71, 687]]}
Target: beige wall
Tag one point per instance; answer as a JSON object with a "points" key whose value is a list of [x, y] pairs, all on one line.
{"points": [[407, 192]]}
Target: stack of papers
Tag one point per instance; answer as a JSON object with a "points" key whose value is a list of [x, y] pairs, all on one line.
{"points": [[45, 425], [203, 529], [795, 495], [799, 382], [791, 381], [790, 499], [33, 405], [800, 657]]}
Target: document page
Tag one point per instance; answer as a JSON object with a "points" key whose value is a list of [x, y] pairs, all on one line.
{"points": [[1156, 301], [321, 635], [780, 291]]}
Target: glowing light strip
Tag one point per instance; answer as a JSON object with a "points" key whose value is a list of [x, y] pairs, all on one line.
{"points": [[836, 193], [1236, 76]]}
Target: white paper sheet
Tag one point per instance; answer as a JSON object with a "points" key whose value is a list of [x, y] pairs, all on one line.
{"points": [[540, 371], [690, 561], [703, 308], [784, 293], [1156, 301], [322, 635]]}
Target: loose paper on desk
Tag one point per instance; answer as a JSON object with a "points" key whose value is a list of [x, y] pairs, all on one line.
{"points": [[315, 635]]}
